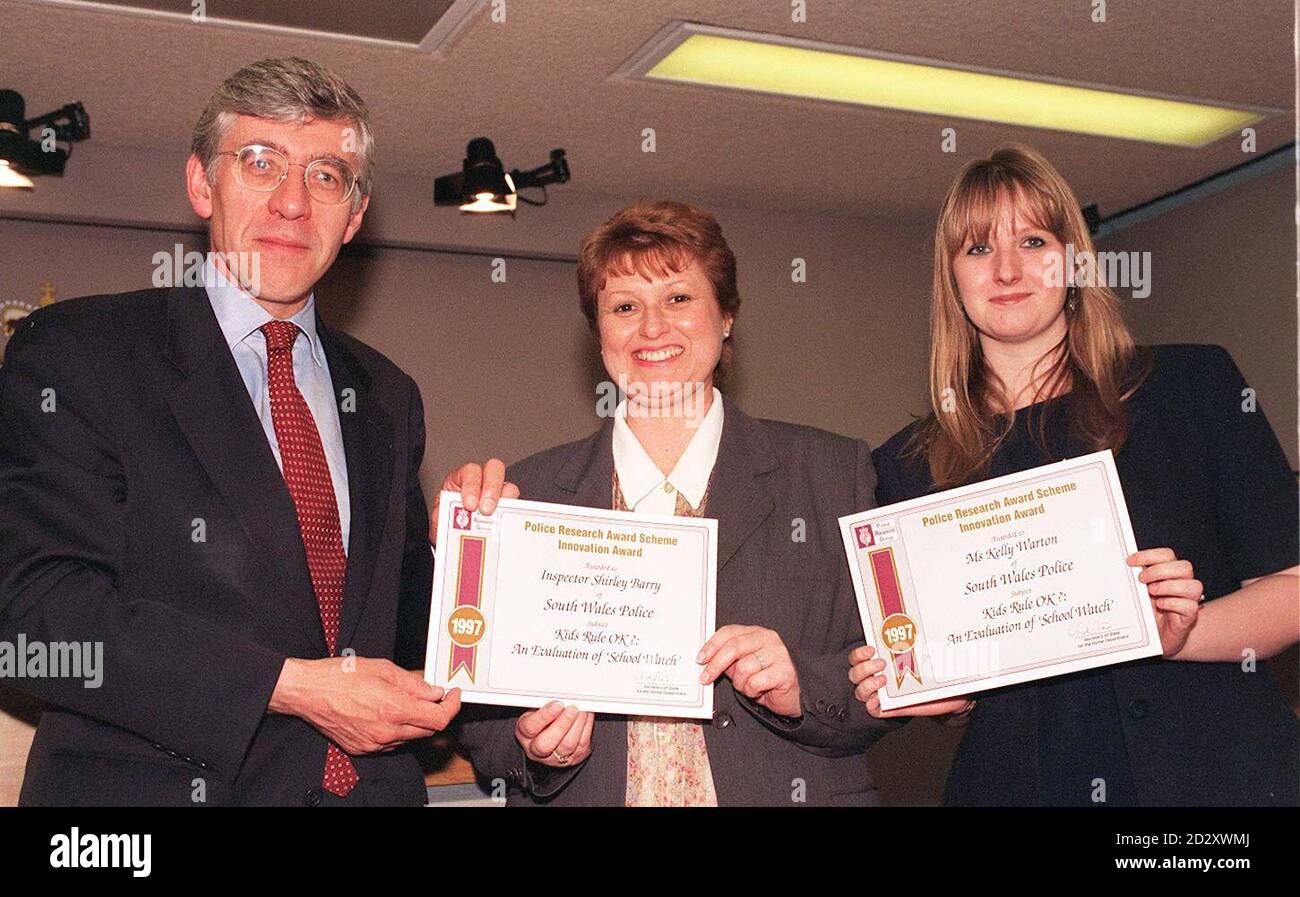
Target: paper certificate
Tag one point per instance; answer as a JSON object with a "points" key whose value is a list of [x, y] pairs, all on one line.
{"points": [[603, 609], [1009, 580]]}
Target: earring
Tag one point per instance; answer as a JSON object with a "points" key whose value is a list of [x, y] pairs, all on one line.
{"points": [[1071, 298], [726, 334]]}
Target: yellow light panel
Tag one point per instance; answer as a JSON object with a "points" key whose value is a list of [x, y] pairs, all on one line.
{"points": [[718, 61]]}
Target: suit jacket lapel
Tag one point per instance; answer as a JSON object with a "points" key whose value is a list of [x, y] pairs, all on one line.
{"points": [[589, 470], [737, 496], [368, 448], [211, 404]]}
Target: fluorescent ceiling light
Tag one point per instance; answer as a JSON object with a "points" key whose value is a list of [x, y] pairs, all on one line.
{"points": [[10, 177], [689, 53]]}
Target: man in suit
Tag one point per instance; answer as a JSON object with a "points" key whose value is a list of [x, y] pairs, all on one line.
{"points": [[223, 493]]}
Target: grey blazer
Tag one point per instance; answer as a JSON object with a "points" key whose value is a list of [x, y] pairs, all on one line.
{"points": [[772, 484]]}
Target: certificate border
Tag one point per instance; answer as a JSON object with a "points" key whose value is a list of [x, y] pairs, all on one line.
{"points": [[893, 698]]}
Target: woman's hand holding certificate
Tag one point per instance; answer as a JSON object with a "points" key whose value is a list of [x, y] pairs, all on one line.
{"points": [[758, 665]]}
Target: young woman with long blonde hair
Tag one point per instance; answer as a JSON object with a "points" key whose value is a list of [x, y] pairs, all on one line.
{"points": [[1030, 362]]}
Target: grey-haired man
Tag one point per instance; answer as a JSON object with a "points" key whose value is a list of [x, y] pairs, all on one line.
{"points": [[223, 492]]}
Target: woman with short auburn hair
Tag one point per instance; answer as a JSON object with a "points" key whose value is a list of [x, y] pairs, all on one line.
{"points": [[657, 284]]}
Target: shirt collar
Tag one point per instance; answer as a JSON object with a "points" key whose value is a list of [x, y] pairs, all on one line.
{"points": [[239, 315], [637, 474]]}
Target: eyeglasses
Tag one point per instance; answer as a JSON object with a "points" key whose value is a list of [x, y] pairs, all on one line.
{"points": [[262, 169]]}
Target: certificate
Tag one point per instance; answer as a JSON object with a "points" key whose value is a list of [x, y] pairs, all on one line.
{"points": [[606, 610], [1008, 580]]}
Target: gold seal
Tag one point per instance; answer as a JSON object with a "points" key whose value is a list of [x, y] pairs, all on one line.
{"points": [[466, 626], [898, 632]]}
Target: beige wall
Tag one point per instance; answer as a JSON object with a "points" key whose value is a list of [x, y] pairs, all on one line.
{"points": [[508, 369]]}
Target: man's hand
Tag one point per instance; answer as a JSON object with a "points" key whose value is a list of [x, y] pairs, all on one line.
{"points": [[480, 486], [363, 705]]}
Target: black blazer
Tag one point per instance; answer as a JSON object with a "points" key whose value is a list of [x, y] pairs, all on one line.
{"points": [[771, 479], [1203, 474], [146, 511]]}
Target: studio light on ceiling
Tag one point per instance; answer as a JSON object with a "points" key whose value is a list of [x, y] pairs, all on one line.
{"points": [[689, 53], [21, 157], [12, 177], [484, 186]]}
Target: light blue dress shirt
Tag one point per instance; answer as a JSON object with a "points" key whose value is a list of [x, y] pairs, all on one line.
{"points": [[241, 318]]}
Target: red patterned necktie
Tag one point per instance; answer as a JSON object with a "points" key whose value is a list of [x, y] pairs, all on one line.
{"points": [[307, 475]]}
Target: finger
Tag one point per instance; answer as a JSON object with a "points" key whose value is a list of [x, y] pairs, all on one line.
{"points": [[731, 651], [494, 477], [448, 707], [867, 689], [1177, 588], [423, 714], [398, 736], [863, 670], [717, 640], [509, 490], [1185, 608], [532, 724], [545, 743], [1168, 570], [861, 654], [414, 684], [1149, 556], [568, 745], [742, 671], [468, 478], [778, 675], [430, 718], [873, 705]]}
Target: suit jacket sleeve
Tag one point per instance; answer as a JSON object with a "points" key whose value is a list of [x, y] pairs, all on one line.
{"points": [[417, 557], [834, 722], [184, 683]]}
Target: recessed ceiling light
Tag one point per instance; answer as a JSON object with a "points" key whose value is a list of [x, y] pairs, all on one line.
{"points": [[689, 53]]}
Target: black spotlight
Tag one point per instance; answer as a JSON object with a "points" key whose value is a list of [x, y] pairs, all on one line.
{"points": [[484, 186], [22, 158]]}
